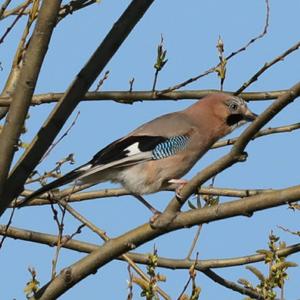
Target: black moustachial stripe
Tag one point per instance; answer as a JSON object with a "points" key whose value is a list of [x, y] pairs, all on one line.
{"points": [[234, 119]]}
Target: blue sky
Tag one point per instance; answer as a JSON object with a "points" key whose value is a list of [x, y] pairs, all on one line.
{"points": [[191, 30]]}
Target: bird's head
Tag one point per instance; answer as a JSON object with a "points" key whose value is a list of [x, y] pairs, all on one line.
{"points": [[220, 112], [231, 110]]}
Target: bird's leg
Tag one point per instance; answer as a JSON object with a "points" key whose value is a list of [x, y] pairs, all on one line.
{"points": [[179, 183], [147, 204]]}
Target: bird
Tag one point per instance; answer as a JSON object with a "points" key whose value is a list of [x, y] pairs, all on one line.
{"points": [[156, 155]]}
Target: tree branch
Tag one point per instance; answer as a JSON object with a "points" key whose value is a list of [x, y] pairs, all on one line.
{"points": [[128, 97], [118, 192], [71, 98], [231, 285], [144, 233], [21, 99], [235, 155], [163, 262], [264, 132]]}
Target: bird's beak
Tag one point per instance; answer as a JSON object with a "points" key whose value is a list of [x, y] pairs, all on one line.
{"points": [[249, 115]]}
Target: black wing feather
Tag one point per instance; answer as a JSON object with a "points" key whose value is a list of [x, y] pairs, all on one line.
{"points": [[117, 150], [113, 152]]}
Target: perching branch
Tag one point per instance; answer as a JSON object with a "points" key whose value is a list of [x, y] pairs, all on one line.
{"points": [[235, 155], [144, 233]]}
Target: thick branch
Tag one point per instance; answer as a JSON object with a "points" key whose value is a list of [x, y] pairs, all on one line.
{"points": [[138, 96], [21, 98], [163, 262], [72, 97], [144, 233], [235, 155]]}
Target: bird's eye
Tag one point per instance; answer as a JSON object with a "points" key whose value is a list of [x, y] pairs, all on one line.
{"points": [[233, 106]]}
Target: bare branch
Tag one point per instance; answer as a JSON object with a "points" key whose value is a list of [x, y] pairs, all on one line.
{"points": [[226, 59], [117, 192], [105, 238], [3, 7], [235, 155], [17, 10], [266, 66], [163, 262], [261, 133], [13, 24], [129, 97], [71, 98], [261, 35], [33, 60], [73, 6], [134, 238], [231, 285]]}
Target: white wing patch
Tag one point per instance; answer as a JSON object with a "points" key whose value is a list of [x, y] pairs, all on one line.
{"points": [[133, 149], [126, 161], [85, 167]]}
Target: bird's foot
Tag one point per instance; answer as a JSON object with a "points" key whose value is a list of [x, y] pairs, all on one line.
{"points": [[180, 183]]}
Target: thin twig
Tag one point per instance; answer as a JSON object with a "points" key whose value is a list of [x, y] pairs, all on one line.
{"points": [[261, 133], [73, 6], [188, 281], [7, 226], [266, 66], [105, 238], [13, 23], [289, 231], [54, 144], [131, 81], [231, 285], [17, 10], [261, 35], [3, 7], [194, 242], [213, 69], [101, 81]]}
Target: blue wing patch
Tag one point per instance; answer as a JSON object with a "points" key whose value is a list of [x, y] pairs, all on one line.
{"points": [[170, 147]]}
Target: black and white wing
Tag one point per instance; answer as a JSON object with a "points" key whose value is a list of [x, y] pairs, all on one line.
{"points": [[121, 153]]}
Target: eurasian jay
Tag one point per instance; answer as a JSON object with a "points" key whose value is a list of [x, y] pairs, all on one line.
{"points": [[157, 154]]}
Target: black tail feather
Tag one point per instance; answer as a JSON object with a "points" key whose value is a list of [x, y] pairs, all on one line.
{"points": [[69, 177]]}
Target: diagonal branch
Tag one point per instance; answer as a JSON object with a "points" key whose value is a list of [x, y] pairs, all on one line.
{"points": [[235, 155], [72, 97], [231, 285], [144, 233], [33, 60]]}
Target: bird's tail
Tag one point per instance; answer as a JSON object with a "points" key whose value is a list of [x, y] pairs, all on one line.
{"points": [[69, 177]]}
